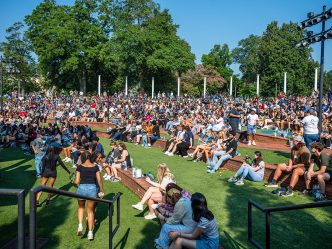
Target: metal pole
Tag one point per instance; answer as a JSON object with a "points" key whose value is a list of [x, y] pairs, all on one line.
{"points": [[126, 87], [1, 82], [99, 85], [257, 88], [231, 87], [152, 94], [32, 224], [285, 83], [316, 78], [110, 220], [204, 89], [21, 214], [321, 77], [178, 86], [267, 230]]}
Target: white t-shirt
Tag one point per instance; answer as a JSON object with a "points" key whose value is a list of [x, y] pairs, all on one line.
{"points": [[252, 119], [310, 124]]}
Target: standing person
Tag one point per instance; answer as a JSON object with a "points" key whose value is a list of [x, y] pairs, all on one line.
{"points": [[251, 128], [49, 172], [87, 179], [38, 147], [324, 172], [310, 128], [206, 235], [234, 117]]}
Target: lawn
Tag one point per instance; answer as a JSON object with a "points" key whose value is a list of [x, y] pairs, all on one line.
{"points": [[295, 229]]}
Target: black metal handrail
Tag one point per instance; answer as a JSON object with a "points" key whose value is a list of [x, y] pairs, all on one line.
{"points": [[19, 193], [33, 195], [268, 212]]}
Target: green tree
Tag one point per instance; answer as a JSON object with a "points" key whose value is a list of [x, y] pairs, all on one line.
{"points": [[18, 47]]}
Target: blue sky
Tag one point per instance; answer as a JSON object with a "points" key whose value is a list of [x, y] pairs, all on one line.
{"points": [[203, 23]]}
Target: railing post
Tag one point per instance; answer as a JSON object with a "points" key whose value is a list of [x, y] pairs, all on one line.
{"points": [[110, 216], [118, 211], [21, 214], [267, 229], [32, 223], [249, 221]]}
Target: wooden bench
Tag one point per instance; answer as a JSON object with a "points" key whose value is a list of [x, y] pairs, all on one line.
{"points": [[137, 185]]}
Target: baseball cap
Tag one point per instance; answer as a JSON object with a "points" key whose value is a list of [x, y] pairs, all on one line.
{"points": [[253, 109]]}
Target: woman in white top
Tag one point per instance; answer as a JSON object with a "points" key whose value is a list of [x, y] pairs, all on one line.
{"points": [[154, 194]]}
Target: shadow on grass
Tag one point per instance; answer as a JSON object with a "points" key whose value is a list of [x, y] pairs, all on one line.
{"points": [[149, 229], [288, 229], [122, 243]]}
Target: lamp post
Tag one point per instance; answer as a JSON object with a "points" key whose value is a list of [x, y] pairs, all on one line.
{"points": [[10, 69], [320, 37]]}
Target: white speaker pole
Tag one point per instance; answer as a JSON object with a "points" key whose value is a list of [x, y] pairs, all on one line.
{"points": [[126, 86], [99, 86], [285, 82], [231, 87], [178, 86], [204, 89], [152, 94], [257, 89]]}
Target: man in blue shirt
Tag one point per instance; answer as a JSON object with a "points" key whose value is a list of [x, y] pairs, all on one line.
{"points": [[234, 117], [99, 147]]}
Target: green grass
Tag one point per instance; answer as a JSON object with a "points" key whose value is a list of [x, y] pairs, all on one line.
{"points": [[295, 229]]}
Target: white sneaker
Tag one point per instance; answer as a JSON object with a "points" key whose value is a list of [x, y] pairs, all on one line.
{"points": [[104, 176], [90, 235], [239, 182], [80, 230], [74, 166], [249, 143], [138, 206], [108, 178], [150, 216], [155, 206], [149, 145], [253, 142], [170, 154], [190, 154], [232, 179], [166, 153]]}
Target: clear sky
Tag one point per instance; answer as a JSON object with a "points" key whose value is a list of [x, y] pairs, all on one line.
{"points": [[203, 23]]}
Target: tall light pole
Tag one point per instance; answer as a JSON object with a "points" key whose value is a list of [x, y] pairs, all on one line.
{"points": [[312, 38]]}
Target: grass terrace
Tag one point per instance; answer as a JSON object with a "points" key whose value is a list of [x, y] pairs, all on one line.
{"points": [[303, 229]]}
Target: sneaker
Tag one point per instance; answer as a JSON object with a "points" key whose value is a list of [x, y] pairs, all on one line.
{"points": [[138, 206], [271, 185], [185, 156], [321, 197], [80, 230], [90, 235], [150, 216], [239, 182], [210, 171], [115, 179], [253, 142], [306, 192], [149, 145], [232, 179], [279, 191], [105, 175], [74, 166], [287, 193], [166, 153], [249, 143], [170, 154], [155, 206], [190, 154], [108, 178]]}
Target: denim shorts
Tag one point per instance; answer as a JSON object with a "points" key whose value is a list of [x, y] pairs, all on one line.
{"points": [[251, 129], [87, 190], [205, 242]]}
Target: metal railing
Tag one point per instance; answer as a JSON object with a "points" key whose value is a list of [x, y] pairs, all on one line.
{"points": [[32, 222], [19, 193], [268, 212]]}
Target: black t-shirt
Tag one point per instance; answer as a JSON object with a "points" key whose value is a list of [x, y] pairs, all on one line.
{"points": [[234, 120], [88, 174], [231, 145], [155, 130]]}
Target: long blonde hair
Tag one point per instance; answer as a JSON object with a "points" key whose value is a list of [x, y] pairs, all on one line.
{"points": [[163, 171]]}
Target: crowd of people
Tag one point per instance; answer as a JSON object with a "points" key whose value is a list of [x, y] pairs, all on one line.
{"points": [[219, 123]]}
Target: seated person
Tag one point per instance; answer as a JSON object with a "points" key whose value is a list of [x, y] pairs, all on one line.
{"points": [[154, 194], [109, 160], [324, 172], [297, 164], [186, 144], [155, 133], [120, 163], [225, 152], [205, 235], [251, 169], [179, 137], [180, 219]]}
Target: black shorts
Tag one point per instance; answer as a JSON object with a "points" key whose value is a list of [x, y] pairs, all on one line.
{"points": [[330, 174], [48, 174]]}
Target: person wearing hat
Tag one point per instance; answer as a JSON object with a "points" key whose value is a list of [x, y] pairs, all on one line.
{"points": [[252, 120], [298, 164], [39, 148], [310, 128]]}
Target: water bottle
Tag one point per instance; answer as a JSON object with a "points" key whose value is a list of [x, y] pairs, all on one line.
{"points": [[134, 172]]}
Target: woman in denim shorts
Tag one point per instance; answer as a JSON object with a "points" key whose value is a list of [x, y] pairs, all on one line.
{"points": [[88, 179]]}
